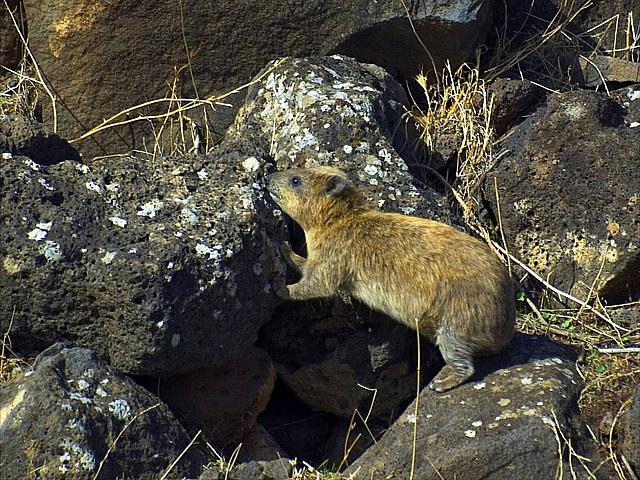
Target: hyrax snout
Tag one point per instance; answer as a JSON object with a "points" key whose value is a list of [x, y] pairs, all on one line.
{"points": [[425, 274]]}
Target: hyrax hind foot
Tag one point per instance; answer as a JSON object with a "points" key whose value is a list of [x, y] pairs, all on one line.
{"points": [[449, 378]]}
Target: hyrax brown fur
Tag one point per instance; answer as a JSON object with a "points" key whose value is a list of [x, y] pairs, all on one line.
{"points": [[422, 273]]}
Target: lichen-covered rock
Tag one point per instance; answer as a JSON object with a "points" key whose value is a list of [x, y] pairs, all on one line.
{"points": [[72, 416], [85, 46], [334, 360], [500, 425], [336, 111], [223, 402], [20, 135], [570, 193], [160, 265]]}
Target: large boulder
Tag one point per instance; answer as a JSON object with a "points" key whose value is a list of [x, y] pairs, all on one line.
{"points": [[84, 48], [73, 416], [160, 265], [509, 422], [336, 111], [569, 192]]}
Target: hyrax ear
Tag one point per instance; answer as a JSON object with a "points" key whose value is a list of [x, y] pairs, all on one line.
{"points": [[335, 185]]}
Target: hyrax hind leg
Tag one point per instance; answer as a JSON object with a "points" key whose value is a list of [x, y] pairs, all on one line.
{"points": [[458, 362]]}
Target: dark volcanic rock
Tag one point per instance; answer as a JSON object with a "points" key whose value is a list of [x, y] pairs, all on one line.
{"points": [[501, 425], [21, 136], [162, 266], [335, 111], [630, 427], [570, 191], [512, 100], [328, 358], [72, 415], [84, 47], [224, 402]]}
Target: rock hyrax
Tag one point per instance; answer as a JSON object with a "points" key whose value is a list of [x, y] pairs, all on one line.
{"points": [[420, 272]]}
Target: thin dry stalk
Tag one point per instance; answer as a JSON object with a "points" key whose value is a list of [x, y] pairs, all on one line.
{"points": [[115, 441]]}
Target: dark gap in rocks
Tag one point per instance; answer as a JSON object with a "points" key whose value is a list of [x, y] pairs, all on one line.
{"points": [[301, 432]]}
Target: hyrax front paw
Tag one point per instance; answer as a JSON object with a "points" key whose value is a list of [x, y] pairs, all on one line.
{"points": [[282, 291]]}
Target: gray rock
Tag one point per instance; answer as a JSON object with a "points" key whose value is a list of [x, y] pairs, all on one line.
{"points": [[569, 193], [335, 111], [161, 266], [630, 428], [21, 136], [85, 50], [512, 100], [324, 358], [72, 416], [499, 426]]}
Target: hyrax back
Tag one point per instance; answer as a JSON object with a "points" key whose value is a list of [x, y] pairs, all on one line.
{"points": [[423, 273]]}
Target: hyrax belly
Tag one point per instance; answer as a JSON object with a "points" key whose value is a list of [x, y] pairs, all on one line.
{"points": [[424, 274]]}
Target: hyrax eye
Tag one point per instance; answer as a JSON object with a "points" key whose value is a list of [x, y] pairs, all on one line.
{"points": [[295, 181]]}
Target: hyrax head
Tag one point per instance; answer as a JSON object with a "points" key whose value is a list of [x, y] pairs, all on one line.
{"points": [[311, 196]]}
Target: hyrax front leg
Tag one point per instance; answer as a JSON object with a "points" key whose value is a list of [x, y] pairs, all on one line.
{"points": [[293, 259], [458, 359], [317, 281]]}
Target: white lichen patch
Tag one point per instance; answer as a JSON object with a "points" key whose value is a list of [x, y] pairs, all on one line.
{"points": [[347, 149], [251, 164], [31, 164], [480, 385], [202, 174], [108, 257], [526, 381], [633, 95], [45, 183], [76, 456], [411, 418], [470, 433], [634, 124], [94, 187], [41, 231], [212, 253], [371, 169], [51, 251], [6, 156], [120, 409], [101, 392], [477, 423], [150, 209], [82, 384], [503, 402], [175, 340], [118, 221]]}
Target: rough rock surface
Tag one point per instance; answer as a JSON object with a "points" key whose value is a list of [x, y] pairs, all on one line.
{"points": [[224, 402], [67, 417], [161, 266], [570, 192], [328, 358], [512, 100], [500, 425], [630, 427], [22, 136], [11, 47], [336, 111], [85, 46]]}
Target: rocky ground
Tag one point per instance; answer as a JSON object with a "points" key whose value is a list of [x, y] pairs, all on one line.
{"points": [[142, 337]]}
